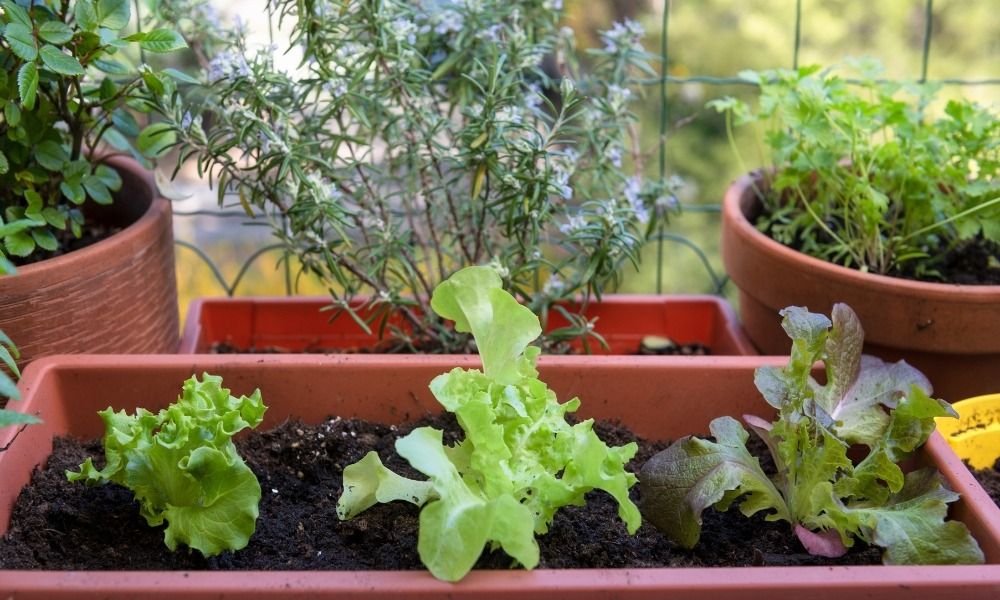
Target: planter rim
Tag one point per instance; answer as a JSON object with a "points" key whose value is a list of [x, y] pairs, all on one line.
{"points": [[976, 581], [141, 227], [445, 362], [191, 331], [733, 213]]}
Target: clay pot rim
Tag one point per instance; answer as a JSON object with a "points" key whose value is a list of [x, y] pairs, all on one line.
{"points": [[140, 228], [734, 217], [730, 329]]}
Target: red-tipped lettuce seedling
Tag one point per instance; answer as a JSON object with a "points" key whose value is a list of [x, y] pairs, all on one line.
{"points": [[183, 467], [830, 501], [520, 460]]}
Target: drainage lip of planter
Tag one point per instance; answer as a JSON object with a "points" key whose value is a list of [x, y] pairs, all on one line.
{"points": [[297, 323], [67, 391]]}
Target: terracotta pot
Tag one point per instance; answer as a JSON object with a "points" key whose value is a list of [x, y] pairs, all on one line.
{"points": [[950, 332], [297, 323], [117, 295], [656, 400]]}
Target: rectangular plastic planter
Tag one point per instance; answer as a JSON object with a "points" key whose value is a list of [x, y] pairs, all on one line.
{"points": [[297, 323], [664, 400]]}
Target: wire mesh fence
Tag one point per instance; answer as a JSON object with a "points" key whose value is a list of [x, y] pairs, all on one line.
{"points": [[665, 242]]}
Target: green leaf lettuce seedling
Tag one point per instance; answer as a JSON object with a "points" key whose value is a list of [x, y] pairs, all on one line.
{"points": [[520, 460], [827, 498], [183, 467]]}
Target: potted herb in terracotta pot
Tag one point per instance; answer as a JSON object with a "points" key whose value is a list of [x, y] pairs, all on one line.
{"points": [[519, 463], [880, 200], [90, 235], [476, 139]]}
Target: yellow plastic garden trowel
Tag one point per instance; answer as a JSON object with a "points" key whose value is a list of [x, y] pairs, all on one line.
{"points": [[975, 434]]}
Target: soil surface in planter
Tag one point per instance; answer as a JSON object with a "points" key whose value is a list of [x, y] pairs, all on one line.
{"points": [[61, 525], [692, 349], [971, 262], [990, 480]]}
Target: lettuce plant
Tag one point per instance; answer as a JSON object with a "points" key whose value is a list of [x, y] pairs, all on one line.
{"points": [[520, 460], [829, 500], [183, 468]]}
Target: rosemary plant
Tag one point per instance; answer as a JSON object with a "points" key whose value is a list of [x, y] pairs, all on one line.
{"points": [[419, 137]]}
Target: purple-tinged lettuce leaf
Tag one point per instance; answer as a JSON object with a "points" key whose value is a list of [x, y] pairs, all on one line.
{"points": [[824, 543], [679, 483], [183, 468]]}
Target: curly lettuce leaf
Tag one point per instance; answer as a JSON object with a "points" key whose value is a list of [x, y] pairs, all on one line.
{"points": [[520, 460], [183, 467]]}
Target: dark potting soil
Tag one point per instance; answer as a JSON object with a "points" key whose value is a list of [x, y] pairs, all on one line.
{"points": [[692, 349], [974, 261], [990, 480], [61, 525]]}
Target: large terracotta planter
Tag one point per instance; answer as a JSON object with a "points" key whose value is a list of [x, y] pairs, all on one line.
{"points": [[117, 295], [297, 324], [655, 400], [950, 332]]}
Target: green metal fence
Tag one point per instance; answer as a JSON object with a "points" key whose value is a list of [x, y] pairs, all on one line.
{"points": [[662, 237]]}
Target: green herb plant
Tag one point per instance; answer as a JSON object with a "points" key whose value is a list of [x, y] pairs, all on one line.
{"points": [[66, 87], [520, 460], [8, 387], [8, 357], [864, 176], [415, 138], [183, 467], [829, 500]]}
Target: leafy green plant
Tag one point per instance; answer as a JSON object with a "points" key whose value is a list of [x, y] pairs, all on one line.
{"points": [[520, 460], [183, 467], [8, 356], [66, 86], [865, 177], [416, 138], [8, 388], [829, 500]]}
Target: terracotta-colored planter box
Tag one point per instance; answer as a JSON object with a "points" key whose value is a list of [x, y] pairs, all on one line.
{"points": [[117, 295], [950, 332], [297, 324], [657, 400]]}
